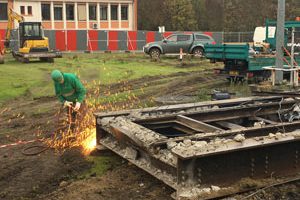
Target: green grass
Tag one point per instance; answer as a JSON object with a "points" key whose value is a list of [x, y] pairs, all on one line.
{"points": [[33, 79], [100, 165]]}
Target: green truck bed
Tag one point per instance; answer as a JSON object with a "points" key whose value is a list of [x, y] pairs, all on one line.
{"points": [[221, 52], [240, 52], [238, 62]]}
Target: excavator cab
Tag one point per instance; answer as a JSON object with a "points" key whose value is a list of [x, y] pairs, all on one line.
{"points": [[32, 43], [32, 38]]}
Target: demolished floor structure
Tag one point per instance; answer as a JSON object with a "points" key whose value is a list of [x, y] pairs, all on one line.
{"points": [[210, 149]]}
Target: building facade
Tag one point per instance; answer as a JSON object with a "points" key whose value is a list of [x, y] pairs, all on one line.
{"points": [[74, 14]]}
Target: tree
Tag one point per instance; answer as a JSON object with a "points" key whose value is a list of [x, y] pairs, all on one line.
{"points": [[180, 15], [211, 15], [150, 14]]}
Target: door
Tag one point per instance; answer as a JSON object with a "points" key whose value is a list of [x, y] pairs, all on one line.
{"points": [[169, 44], [184, 41]]}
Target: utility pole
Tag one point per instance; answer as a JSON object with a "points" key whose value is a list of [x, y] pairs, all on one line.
{"points": [[280, 39]]}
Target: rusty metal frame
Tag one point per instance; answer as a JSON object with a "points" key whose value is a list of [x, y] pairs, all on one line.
{"points": [[218, 151]]}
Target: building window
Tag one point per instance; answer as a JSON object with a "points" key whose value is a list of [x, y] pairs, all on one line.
{"points": [[92, 12], [70, 11], [45, 11], [58, 12], [22, 8], [114, 12], [81, 12], [3, 11], [124, 12], [29, 10], [103, 12]]}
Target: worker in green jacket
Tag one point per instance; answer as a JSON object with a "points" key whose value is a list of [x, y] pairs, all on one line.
{"points": [[71, 93]]}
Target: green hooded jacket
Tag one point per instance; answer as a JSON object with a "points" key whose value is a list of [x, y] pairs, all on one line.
{"points": [[71, 90]]}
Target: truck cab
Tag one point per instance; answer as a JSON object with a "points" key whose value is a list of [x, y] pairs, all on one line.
{"points": [[265, 37]]}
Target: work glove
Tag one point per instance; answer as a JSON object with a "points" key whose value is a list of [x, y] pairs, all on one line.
{"points": [[68, 104], [77, 106]]}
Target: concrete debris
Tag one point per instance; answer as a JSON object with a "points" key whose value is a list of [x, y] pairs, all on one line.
{"points": [[186, 195], [130, 153], [189, 148], [193, 193], [239, 138], [138, 131], [63, 184], [296, 133], [278, 135], [187, 142], [259, 124], [206, 190], [171, 145], [166, 156], [105, 121], [271, 136], [135, 114], [257, 139], [215, 188]]}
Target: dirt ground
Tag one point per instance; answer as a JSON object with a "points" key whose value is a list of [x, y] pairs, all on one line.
{"points": [[52, 175]]}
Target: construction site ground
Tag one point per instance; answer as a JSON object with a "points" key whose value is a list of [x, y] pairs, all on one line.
{"points": [[28, 112]]}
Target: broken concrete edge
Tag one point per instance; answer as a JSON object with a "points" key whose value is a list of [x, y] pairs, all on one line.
{"points": [[141, 137], [125, 152], [188, 148], [235, 135], [132, 130], [201, 148], [242, 186], [180, 107]]}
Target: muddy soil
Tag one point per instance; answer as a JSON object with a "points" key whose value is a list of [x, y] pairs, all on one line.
{"points": [[52, 175], [122, 182], [32, 177]]}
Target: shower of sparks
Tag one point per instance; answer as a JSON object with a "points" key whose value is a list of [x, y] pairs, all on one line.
{"points": [[84, 136]]}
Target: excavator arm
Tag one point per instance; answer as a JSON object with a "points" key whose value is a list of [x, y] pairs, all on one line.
{"points": [[12, 15]]}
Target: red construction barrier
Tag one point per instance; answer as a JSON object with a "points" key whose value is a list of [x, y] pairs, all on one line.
{"points": [[72, 40], [132, 40], [2, 38], [208, 33], [150, 36], [60, 40], [113, 40], [166, 34], [93, 40]]}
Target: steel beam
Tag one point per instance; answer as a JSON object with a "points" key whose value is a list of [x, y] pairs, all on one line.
{"points": [[203, 160]]}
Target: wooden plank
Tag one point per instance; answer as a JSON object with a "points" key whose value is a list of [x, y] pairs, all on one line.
{"points": [[229, 125], [197, 125]]}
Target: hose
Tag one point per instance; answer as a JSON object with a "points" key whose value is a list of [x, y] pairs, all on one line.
{"points": [[41, 148]]}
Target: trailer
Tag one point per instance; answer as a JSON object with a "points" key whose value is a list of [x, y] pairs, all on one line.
{"points": [[241, 62]]}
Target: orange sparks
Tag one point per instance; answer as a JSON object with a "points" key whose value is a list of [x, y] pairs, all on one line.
{"points": [[89, 144], [85, 136]]}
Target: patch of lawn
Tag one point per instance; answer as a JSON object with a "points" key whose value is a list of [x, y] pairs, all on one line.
{"points": [[100, 165], [33, 79]]}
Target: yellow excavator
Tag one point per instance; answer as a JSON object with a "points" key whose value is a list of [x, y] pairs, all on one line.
{"points": [[31, 42]]}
